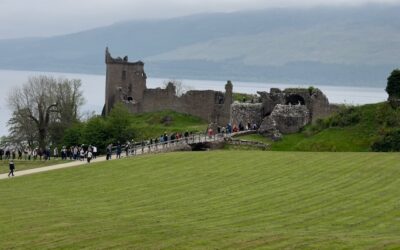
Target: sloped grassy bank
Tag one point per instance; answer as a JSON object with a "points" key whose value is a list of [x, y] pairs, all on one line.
{"points": [[371, 127]]}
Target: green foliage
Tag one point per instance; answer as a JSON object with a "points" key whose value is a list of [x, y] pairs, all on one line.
{"points": [[118, 124], [73, 135], [344, 117], [95, 132], [353, 128], [208, 200], [311, 90], [393, 84], [388, 143], [243, 97]]}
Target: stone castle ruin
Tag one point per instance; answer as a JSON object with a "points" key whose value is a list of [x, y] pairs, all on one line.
{"points": [[274, 113], [283, 111], [126, 83]]}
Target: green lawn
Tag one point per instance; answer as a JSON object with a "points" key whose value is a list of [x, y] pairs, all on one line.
{"points": [[154, 124], [24, 165], [209, 200]]}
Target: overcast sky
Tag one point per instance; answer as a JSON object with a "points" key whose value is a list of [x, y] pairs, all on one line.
{"points": [[24, 18]]}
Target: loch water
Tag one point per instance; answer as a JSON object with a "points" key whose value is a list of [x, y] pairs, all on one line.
{"points": [[93, 87]]}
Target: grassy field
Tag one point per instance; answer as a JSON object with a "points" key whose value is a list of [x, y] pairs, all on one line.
{"points": [[24, 165], [151, 125], [209, 200]]}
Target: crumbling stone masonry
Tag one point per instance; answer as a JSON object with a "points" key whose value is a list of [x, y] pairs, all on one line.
{"points": [[284, 111], [245, 113], [126, 83], [278, 112]]}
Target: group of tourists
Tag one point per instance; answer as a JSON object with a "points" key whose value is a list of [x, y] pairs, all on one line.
{"points": [[27, 153], [81, 153], [229, 129], [89, 152], [72, 153]]}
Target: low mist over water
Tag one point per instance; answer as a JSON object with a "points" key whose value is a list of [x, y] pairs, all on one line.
{"points": [[93, 87]]}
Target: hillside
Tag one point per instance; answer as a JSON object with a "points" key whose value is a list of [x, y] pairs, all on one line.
{"points": [[208, 200], [335, 46], [371, 127], [153, 124]]}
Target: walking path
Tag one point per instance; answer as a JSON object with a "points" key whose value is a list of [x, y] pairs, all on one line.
{"points": [[52, 167], [138, 150]]}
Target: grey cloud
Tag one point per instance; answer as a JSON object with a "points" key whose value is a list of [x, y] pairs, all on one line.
{"points": [[21, 18]]}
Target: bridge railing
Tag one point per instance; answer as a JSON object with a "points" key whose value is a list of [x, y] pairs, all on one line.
{"points": [[169, 145]]}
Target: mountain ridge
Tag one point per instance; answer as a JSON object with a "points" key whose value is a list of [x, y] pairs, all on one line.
{"points": [[336, 46]]}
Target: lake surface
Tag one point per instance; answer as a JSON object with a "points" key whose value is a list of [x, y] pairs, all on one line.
{"points": [[93, 87]]}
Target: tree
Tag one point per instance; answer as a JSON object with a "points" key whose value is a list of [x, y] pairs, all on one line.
{"points": [[96, 133], [119, 124], [41, 103], [69, 99], [73, 135], [393, 85]]}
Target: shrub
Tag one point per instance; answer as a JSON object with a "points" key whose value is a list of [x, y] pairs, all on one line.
{"points": [[393, 84], [388, 143]]}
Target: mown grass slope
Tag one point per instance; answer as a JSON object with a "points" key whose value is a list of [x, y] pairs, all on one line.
{"points": [[209, 200]]}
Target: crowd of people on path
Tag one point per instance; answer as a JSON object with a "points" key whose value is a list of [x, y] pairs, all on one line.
{"points": [[132, 147], [66, 153], [87, 153]]}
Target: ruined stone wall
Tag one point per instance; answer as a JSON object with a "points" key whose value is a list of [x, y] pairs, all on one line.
{"points": [[286, 119], [157, 100], [204, 104], [315, 101], [125, 81], [246, 112], [319, 106]]}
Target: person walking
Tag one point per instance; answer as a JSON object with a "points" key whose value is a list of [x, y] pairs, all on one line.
{"points": [[109, 152], [89, 156], [94, 152], [12, 168], [55, 153], [119, 150]]}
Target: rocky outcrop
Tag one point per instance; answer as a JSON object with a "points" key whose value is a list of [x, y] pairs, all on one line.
{"points": [[285, 119]]}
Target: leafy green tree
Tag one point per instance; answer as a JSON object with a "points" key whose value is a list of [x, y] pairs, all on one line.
{"points": [[393, 84], [73, 135], [119, 124], [96, 133]]}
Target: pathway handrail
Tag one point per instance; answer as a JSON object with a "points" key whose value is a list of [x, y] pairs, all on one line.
{"points": [[165, 146]]}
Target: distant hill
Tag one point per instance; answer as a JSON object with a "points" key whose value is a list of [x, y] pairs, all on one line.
{"points": [[356, 46]]}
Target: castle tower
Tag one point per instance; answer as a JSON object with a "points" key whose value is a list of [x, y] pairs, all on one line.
{"points": [[125, 81]]}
